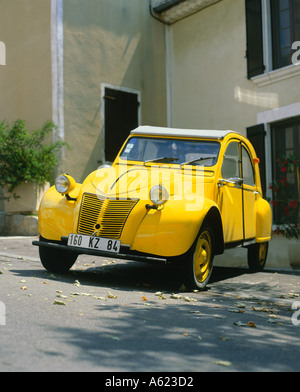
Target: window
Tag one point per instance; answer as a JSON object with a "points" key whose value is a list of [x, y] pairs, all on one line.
{"points": [[285, 138], [121, 116], [173, 151], [285, 15], [272, 26], [231, 166], [248, 172]]}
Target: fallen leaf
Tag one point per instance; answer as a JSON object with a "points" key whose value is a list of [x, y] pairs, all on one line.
{"points": [[251, 324], [61, 296], [235, 311], [110, 295], [187, 299], [223, 363], [57, 302], [76, 283], [240, 324], [159, 293], [23, 288], [219, 316], [144, 298], [240, 305], [175, 296], [293, 295]]}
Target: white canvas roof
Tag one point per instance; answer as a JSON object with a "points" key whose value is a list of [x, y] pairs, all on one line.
{"points": [[176, 132]]}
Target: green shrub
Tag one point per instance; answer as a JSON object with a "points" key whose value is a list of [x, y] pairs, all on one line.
{"points": [[27, 156]]}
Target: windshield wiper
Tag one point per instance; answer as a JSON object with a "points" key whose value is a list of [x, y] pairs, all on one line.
{"points": [[196, 160], [161, 159]]}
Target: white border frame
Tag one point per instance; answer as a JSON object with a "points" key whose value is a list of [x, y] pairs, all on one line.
{"points": [[120, 88]]}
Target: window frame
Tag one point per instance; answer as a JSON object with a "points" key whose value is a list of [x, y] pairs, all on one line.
{"points": [[269, 75], [268, 118]]}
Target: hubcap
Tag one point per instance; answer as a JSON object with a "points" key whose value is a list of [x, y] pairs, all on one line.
{"points": [[202, 257]]}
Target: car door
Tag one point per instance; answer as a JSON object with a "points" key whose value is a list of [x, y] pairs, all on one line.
{"points": [[230, 194], [249, 194]]}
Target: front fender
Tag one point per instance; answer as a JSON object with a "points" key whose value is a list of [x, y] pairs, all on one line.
{"points": [[171, 231], [56, 214]]}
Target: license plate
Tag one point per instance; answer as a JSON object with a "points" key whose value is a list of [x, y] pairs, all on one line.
{"points": [[96, 243]]}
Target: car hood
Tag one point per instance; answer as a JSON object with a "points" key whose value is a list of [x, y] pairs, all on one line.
{"points": [[136, 181]]}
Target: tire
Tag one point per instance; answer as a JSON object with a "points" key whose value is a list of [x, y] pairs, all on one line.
{"points": [[257, 256], [199, 263], [56, 261]]}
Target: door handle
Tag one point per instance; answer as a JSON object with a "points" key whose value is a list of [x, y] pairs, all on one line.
{"points": [[234, 180]]}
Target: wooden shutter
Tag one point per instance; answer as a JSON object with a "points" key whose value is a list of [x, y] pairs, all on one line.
{"points": [[256, 135], [255, 57], [121, 117]]}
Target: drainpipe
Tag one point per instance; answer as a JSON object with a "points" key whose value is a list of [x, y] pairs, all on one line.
{"points": [[57, 53], [168, 66], [168, 76]]}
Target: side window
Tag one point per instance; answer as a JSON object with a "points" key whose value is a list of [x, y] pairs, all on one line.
{"points": [[231, 162], [248, 172]]}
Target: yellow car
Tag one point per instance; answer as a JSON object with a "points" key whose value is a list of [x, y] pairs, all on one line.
{"points": [[171, 195]]}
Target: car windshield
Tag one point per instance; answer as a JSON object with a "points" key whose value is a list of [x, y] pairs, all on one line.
{"points": [[177, 151]]}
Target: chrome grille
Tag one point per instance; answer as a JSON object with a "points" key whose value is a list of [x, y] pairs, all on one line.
{"points": [[111, 214]]}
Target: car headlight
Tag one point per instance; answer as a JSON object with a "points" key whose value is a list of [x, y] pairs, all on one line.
{"points": [[159, 195], [65, 184]]}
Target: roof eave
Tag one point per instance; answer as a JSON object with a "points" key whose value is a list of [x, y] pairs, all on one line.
{"points": [[174, 10]]}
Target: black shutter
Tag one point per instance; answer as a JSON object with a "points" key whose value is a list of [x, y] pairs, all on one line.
{"points": [[256, 135], [255, 56], [121, 117]]}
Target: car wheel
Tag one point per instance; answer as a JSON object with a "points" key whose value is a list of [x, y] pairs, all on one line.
{"points": [[199, 265], [257, 256], [55, 260]]}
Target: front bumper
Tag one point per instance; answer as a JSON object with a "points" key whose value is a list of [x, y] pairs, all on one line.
{"points": [[124, 254]]}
